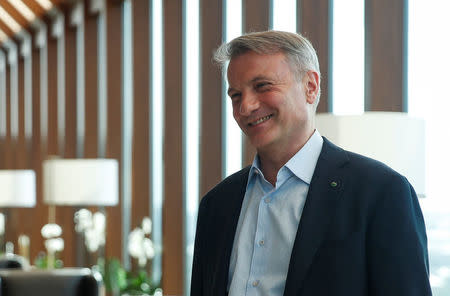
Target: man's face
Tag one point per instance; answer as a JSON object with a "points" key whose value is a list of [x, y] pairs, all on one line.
{"points": [[272, 106]]}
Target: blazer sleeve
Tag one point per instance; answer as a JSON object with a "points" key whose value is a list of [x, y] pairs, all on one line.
{"points": [[397, 244], [197, 266]]}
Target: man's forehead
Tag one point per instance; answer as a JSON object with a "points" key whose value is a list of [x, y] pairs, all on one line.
{"points": [[256, 66]]}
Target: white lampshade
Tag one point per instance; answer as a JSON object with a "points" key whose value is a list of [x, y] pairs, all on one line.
{"points": [[393, 138], [17, 188], [81, 182]]}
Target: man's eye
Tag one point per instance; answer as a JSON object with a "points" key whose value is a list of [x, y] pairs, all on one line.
{"points": [[235, 95], [262, 85]]}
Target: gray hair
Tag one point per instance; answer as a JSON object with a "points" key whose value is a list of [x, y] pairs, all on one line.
{"points": [[299, 52]]}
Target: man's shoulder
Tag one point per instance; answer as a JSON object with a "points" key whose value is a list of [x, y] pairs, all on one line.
{"points": [[361, 165], [228, 187]]}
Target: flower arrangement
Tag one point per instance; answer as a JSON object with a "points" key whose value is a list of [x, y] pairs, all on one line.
{"points": [[93, 227], [53, 244], [119, 281]]}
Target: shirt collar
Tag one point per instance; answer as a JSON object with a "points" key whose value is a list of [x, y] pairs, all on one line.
{"points": [[303, 163]]}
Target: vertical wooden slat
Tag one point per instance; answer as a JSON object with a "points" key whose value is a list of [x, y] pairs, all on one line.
{"points": [[38, 216], [314, 23], [385, 77], [52, 135], [9, 143], [256, 17], [141, 149], [172, 281], [3, 136], [91, 82], [211, 96], [65, 214], [21, 159], [113, 245]]}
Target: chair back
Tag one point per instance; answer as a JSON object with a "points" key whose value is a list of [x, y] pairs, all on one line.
{"points": [[57, 282]]}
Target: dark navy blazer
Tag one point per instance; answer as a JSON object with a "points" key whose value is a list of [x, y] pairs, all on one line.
{"points": [[361, 233]]}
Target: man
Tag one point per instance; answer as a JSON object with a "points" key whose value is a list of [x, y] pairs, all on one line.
{"points": [[307, 218]]}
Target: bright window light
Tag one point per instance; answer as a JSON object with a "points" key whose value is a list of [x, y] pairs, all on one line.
{"points": [[233, 135], [191, 128], [429, 98], [284, 16], [348, 57]]}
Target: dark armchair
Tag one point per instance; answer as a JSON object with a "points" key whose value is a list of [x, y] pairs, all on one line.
{"points": [[57, 282]]}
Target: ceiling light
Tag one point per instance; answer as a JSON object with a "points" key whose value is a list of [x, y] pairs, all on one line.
{"points": [[46, 4], [23, 9], [9, 21]]}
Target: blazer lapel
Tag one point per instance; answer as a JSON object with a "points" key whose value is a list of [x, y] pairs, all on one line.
{"points": [[324, 190], [235, 196]]}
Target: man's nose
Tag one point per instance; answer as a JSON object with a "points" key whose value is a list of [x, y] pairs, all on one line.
{"points": [[249, 103]]}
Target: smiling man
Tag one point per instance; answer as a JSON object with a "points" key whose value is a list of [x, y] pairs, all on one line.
{"points": [[306, 218]]}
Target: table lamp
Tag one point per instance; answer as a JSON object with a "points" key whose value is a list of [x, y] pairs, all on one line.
{"points": [[80, 182], [393, 138], [17, 190]]}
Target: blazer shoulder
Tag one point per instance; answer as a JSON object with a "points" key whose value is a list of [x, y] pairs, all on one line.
{"points": [[228, 186], [356, 164]]}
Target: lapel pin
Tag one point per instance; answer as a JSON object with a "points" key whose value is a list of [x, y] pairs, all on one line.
{"points": [[334, 184]]}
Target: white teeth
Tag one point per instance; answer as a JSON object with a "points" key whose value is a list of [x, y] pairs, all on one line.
{"points": [[262, 119]]}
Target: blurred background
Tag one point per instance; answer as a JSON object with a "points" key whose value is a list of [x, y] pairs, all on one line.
{"points": [[132, 81]]}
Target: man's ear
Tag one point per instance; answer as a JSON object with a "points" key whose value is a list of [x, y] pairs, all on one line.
{"points": [[312, 83]]}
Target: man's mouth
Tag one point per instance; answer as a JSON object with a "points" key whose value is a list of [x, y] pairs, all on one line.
{"points": [[260, 120]]}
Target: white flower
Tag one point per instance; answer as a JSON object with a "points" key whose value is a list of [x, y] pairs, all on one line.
{"points": [[135, 239], [51, 230], [93, 240], [99, 222], [147, 225], [140, 247], [149, 250], [83, 220], [54, 245]]}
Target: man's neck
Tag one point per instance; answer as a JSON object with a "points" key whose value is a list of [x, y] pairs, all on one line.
{"points": [[272, 159]]}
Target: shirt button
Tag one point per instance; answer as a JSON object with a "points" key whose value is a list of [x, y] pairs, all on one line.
{"points": [[261, 242], [255, 283], [267, 200]]}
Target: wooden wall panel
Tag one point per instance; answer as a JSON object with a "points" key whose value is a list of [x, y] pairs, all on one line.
{"points": [[211, 96], [141, 149], [385, 75], [172, 281], [113, 245], [314, 23], [256, 18]]}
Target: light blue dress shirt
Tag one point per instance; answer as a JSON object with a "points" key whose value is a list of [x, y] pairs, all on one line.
{"points": [[268, 224]]}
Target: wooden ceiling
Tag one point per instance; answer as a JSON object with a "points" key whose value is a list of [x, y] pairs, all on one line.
{"points": [[15, 15]]}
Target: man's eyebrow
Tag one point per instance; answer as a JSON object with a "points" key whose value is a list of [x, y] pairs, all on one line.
{"points": [[258, 78]]}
